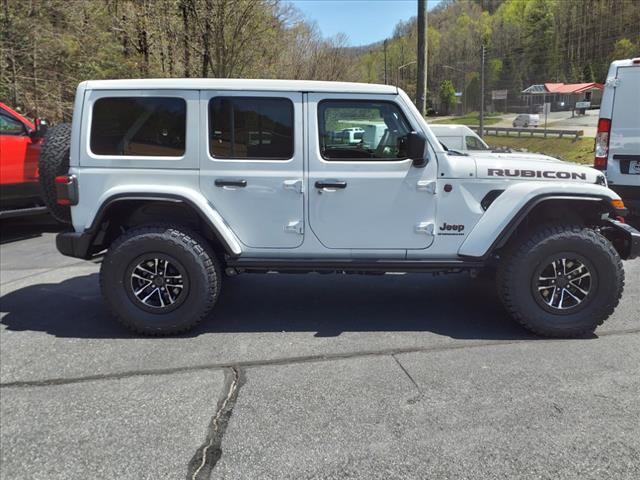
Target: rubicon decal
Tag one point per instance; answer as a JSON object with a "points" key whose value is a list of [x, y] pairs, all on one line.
{"points": [[507, 172], [447, 229]]}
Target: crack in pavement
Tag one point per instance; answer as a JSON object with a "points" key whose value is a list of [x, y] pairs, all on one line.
{"points": [[208, 454], [291, 360]]}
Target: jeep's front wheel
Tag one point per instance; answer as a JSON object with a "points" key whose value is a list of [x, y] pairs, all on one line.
{"points": [[160, 280], [563, 281]]}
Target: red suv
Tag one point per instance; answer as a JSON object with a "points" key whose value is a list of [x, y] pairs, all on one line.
{"points": [[20, 143]]}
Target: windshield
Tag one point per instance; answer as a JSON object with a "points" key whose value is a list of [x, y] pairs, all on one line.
{"points": [[452, 143]]}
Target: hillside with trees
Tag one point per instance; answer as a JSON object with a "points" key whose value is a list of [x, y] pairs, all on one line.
{"points": [[49, 46]]}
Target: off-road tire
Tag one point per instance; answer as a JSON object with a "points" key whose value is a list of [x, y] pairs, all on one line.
{"points": [[519, 266], [54, 161], [189, 249]]}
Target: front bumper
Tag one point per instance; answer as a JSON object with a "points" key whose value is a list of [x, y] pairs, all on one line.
{"points": [[73, 244], [625, 238]]}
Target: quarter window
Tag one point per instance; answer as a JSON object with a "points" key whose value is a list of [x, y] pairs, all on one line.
{"points": [[251, 128], [139, 126], [362, 130]]}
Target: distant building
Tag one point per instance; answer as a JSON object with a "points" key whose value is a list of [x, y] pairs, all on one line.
{"points": [[563, 96]]}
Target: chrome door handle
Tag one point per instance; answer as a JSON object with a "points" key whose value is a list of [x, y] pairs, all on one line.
{"points": [[331, 184], [230, 183]]}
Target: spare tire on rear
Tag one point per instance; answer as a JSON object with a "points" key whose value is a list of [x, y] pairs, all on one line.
{"points": [[54, 161]]}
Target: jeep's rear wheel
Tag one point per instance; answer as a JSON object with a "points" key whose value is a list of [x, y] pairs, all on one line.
{"points": [[160, 280], [563, 281], [54, 161]]}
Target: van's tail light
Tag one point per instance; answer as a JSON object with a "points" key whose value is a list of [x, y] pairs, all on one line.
{"points": [[602, 144], [66, 190]]}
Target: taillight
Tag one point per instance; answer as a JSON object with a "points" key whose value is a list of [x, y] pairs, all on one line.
{"points": [[66, 190], [602, 144]]}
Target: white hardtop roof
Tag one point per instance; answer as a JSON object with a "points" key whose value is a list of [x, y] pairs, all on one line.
{"points": [[238, 84]]}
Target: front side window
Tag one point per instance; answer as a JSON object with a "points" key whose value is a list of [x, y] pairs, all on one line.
{"points": [[474, 143], [362, 130], [139, 126], [251, 128], [10, 126]]}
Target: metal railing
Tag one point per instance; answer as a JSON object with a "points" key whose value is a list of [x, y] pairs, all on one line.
{"points": [[576, 134]]}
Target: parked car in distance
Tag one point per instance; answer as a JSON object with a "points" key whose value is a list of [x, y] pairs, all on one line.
{"points": [[459, 137], [617, 149], [526, 120], [20, 143]]}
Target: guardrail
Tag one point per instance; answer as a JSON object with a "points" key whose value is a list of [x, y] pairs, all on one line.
{"points": [[576, 134]]}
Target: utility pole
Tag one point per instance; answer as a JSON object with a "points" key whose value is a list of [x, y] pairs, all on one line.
{"points": [[421, 94], [481, 129], [385, 62]]}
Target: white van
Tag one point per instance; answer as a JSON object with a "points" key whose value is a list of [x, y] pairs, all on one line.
{"points": [[617, 150], [526, 120], [458, 137]]}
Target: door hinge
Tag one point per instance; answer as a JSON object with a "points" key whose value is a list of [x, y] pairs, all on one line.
{"points": [[295, 226], [613, 82], [428, 186], [295, 185], [425, 227]]}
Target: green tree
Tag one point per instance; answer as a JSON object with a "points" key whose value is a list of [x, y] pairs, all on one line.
{"points": [[447, 95], [624, 48], [539, 40]]}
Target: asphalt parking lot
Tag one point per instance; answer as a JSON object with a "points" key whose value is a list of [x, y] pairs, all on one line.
{"points": [[306, 377]]}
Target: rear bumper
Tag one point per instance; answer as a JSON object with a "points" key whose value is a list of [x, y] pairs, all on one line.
{"points": [[626, 239], [73, 244]]}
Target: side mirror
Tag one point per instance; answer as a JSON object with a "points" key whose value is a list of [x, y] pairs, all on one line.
{"points": [[415, 149], [41, 128]]}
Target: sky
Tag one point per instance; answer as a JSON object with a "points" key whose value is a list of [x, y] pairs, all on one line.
{"points": [[363, 21]]}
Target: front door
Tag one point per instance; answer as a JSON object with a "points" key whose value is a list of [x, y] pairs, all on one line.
{"points": [[251, 164], [364, 193]]}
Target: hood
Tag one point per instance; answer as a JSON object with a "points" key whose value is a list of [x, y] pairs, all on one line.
{"points": [[531, 166], [514, 156]]}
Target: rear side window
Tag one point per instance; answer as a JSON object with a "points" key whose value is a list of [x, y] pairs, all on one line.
{"points": [[362, 130], [139, 126], [258, 128]]}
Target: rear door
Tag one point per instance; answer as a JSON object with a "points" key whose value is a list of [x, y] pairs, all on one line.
{"points": [[251, 163], [365, 193], [624, 140]]}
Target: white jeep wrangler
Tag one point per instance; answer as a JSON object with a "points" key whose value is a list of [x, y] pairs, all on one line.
{"points": [[179, 181]]}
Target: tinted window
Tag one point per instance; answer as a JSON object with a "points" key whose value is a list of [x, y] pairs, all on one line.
{"points": [[139, 126], [10, 126], [251, 127], [362, 130]]}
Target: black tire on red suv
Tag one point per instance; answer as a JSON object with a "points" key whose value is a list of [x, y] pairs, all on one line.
{"points": [[54, 161], [561, 281], [160, 280]]}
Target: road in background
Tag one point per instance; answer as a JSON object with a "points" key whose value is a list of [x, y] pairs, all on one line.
{"points": [[323, 376]]}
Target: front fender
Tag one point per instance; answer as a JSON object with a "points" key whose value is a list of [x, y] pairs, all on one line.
{"points": [[510, 208]]}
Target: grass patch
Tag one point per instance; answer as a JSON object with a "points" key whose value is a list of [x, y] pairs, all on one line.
{"points": [[578, 151], [470, 119]]}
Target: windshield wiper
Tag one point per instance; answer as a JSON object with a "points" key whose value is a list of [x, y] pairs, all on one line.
{"points": [[451, 151]]}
